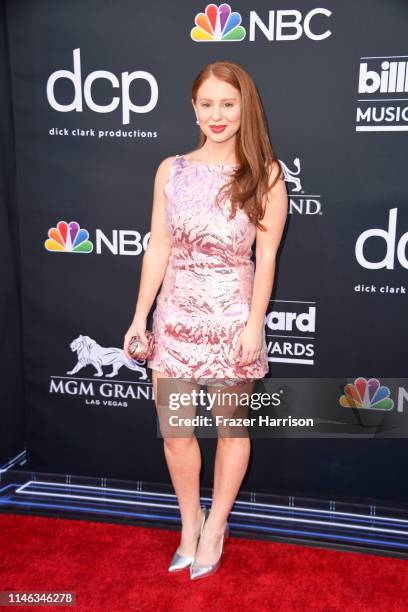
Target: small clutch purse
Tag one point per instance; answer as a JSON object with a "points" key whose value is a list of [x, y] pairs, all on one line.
{"points": [[138, 350]]}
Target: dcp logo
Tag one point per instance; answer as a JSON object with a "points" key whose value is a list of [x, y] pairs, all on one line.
{"points": [[391, 244], [85, 92]]}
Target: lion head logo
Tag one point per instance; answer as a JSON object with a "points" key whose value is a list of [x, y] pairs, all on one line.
{"points": [[89, 352]]}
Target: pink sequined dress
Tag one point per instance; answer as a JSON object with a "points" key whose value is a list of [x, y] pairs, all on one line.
{"points": [[205, 297]]}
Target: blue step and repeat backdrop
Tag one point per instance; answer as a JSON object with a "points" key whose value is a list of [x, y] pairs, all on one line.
{"points": [[100, 95]]}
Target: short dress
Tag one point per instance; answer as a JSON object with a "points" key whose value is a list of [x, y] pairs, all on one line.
{"points": [[206, 293]]}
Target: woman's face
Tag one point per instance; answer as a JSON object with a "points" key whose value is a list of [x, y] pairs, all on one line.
{"points": [[218, 105]]}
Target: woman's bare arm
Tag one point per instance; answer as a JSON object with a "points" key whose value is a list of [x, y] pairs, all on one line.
{"points": [[249, 342], [267, 243], [158, 248]]}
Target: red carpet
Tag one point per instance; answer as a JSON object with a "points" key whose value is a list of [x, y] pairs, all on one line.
{"points": [[118, 568]]}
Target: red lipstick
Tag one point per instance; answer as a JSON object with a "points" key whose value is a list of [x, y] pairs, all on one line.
{"points": [[218, 128]]}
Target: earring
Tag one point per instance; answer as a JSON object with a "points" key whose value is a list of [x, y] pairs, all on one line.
{"points": [[197, 122]]}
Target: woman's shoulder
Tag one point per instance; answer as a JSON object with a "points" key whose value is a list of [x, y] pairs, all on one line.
{"points": [[164, 168], [167, 162], [190, 155], [167, 170]]}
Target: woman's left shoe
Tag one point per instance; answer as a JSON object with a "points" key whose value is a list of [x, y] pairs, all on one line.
{"points": [[180, 562], [201, 571]]}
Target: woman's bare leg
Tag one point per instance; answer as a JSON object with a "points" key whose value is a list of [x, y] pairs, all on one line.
{"points": [[183, 459], [231, 463]]}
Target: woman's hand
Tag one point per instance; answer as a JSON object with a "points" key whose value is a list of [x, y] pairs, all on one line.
{"points": [[250, 343], [137, 328]]}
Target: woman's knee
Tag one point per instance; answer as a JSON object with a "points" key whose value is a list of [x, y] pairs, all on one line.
{"points": [[179, 445], [233, 440]]}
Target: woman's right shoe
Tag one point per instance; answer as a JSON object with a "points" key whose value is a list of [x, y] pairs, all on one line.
{"points": [[180, 562]]}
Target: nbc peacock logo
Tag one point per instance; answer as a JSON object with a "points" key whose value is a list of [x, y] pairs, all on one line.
{"points": [[68, 238], [218, 24], [367, 394]]}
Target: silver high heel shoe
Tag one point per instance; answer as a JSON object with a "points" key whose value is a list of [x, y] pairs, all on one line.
{"points": [[201, 571], [180, 562]]}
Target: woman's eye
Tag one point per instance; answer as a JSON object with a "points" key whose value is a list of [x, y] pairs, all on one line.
{"points": [[206, 105]]}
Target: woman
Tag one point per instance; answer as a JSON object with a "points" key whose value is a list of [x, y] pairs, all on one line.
{"points": [[209, 319]]}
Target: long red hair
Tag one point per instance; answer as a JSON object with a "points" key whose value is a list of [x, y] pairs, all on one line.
{"points": [[251, 180]]}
